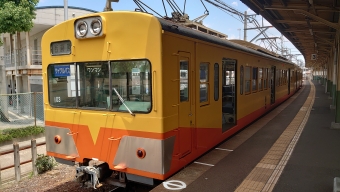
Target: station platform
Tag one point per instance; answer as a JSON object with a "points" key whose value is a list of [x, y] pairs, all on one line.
{"points": [[292, 148]]}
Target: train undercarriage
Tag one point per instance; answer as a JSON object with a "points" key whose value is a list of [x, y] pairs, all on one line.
{"points": [[93, 174]]}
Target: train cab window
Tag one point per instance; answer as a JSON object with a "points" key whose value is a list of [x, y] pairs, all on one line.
{"points": [[93, 83], [204, 82], [247, 78], [131, 84], [184, 77], [61, 85], [260, 79], [254, 80]]}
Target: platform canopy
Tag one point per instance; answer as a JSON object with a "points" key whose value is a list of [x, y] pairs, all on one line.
{"points": [[310, 25]]}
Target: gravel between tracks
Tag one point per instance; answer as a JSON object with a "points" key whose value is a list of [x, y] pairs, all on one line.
{"points": [[61, 178]]}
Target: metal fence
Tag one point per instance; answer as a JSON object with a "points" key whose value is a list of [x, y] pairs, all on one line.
{"points": [[21, 109]]}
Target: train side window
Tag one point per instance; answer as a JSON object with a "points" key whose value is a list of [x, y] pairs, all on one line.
{"points": [[204, 82], [277, 77], [292, 76], [184, 77], [260, 79], [265, 78], [254, 81], [216, 81], [241, 80], [247, 77]]}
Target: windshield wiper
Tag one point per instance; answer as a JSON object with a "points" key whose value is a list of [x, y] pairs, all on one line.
{"points": [[122, 100]]}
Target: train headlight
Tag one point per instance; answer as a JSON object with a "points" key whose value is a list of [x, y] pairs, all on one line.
{"points": [[89, 27], [96, 27], [81, 28]]}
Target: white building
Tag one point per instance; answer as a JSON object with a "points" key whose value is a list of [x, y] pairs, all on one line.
{"points": [[24, 72]]}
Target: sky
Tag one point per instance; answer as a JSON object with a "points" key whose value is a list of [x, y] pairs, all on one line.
{"points": [[218, 19]]}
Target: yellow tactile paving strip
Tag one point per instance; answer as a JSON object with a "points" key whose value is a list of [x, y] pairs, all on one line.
{"points": [[267, 172]]}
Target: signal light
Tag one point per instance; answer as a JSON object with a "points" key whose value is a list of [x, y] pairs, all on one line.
{"points": [[57, 139], [141, 153]]}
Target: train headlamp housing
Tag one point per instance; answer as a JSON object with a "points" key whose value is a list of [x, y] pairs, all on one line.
{"points": [[96, 27], [89, 27]]}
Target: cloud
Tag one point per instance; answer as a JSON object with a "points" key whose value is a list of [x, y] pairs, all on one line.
{"points": [[250, 12], [265, 22], [232, 36], [234, 3], [207, 24]]}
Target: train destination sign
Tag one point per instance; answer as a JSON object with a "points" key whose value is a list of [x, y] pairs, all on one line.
{"points": [[61, 48], [62, 71]]}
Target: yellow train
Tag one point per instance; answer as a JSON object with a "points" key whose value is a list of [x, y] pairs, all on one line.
{"points": [[137, 98]]}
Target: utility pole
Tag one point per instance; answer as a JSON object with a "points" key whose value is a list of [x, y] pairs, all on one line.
{"points": [[3, 86], [245, 26], [65, 10]]}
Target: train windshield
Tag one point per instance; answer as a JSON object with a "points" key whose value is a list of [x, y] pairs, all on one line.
{"points": [[131, 79]]}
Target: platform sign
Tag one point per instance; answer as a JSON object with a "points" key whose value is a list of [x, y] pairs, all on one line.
{"points": [[313, 57]]}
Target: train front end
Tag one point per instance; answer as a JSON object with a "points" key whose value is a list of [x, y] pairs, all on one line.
{"points": [[102, 97]]}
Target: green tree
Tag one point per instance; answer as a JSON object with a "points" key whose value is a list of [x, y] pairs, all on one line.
{"points": [[17, 15]]}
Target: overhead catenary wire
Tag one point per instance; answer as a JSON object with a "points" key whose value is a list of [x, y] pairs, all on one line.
{"points": [[176, 12]]}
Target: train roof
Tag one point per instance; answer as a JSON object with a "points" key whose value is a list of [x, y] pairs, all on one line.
{"points": [[185, 31]]}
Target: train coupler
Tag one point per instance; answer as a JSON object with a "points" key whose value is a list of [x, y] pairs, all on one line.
{"points": [[89, 176]]}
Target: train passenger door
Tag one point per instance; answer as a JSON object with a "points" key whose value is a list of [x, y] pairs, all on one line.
{"points": [[185, 108], [288, 81], [228, 94], [272, 85]]}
